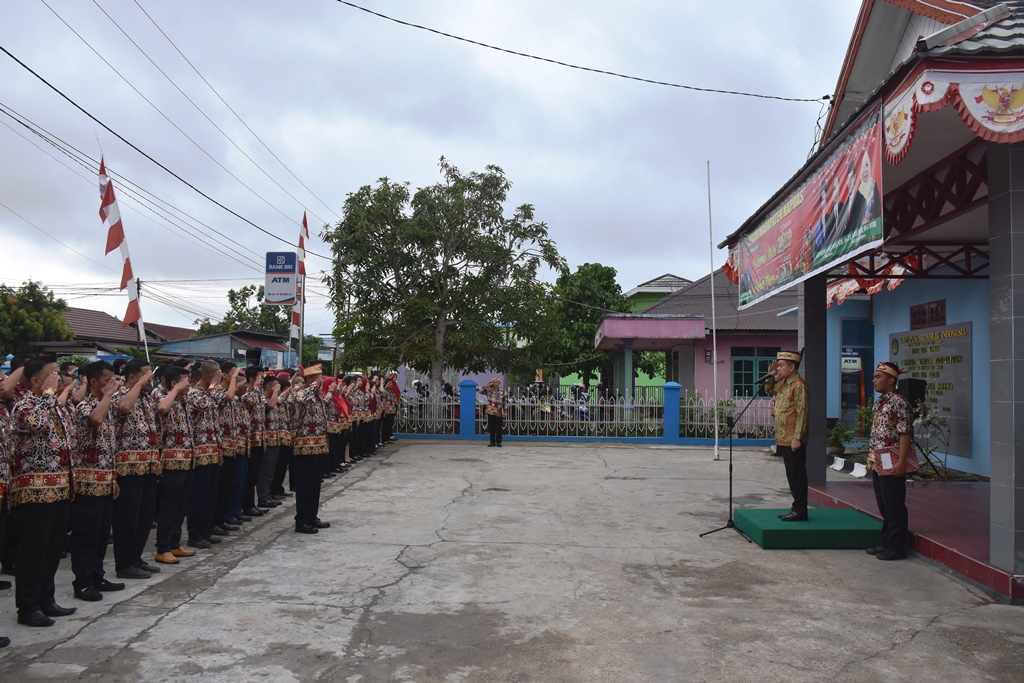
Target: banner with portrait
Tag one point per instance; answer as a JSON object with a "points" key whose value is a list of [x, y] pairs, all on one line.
{"points": [[829, 215]]}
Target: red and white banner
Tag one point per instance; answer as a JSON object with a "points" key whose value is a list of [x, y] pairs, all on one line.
{"points": [[297, 308], [111, 217]]}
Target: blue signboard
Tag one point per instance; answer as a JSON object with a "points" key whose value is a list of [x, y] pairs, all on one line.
{"points": [[282, 277]]}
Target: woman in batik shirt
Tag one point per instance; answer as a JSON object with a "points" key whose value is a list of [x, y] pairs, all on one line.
{"points": [[205, 403], [497, 400], [175, 487]]}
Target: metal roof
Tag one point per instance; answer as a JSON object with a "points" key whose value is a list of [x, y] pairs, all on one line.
{"points": [[695, 299], [999, 29]]}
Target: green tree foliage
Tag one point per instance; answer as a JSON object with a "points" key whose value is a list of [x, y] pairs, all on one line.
{"points": [[582, 298], [439, 278], [29, 314], [311, 344], [247, 312]]}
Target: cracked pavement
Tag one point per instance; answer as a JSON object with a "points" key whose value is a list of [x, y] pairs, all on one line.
{"points": [[455, 562]]}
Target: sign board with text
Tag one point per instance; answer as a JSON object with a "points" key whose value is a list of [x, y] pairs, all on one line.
{"points": [[282, 278], [941, 356]]}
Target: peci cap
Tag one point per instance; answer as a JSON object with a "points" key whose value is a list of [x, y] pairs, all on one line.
{"points": [[791, 356], [312, 370]]}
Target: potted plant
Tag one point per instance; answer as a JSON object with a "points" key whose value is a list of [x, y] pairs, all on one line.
{"points": [[837, 439]]}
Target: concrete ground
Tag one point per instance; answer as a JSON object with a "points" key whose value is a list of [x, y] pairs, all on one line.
{"points": [[455, 562]]}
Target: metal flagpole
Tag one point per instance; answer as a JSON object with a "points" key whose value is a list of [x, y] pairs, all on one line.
{"points": [[714, 322], [140, 326], [302, 314]]}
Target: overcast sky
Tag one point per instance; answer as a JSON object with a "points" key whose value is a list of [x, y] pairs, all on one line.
{"points": [[616, 168]]}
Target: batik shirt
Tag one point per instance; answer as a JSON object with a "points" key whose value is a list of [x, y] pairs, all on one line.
{"points": [[277, 432], [97, 450], [176, 442], [309, 421], [40, 452], [337, 420], [5, 463], [255, 401], [228, 427], [792, 406], [389, 401], [360, 405], [204, 407], [890, 419], [138, 450], [241, 418], [496, 401]]}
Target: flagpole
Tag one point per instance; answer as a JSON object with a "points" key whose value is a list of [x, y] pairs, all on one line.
{"points": [[302, 314], [714, 322], [141, 326]]}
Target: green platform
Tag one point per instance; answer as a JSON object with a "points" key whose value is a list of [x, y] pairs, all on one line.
{"points": [[825, 528]]}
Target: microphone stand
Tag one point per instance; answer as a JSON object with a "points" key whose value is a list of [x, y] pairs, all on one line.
{"points": [[730, 422]]}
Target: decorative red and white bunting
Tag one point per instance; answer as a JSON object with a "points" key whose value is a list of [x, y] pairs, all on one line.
{"points": [[297, 308], [111, 217]]}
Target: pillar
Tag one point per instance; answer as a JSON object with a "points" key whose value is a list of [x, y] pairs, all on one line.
{"points": [[1006, 344], [671, 419], [812, 337], [627, 369], [467, 409]]}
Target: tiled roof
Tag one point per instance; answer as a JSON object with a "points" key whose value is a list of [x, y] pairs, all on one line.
{"points": [[170, 332], [1003, 32], [695, 299], [99, 326], [666, 280]]}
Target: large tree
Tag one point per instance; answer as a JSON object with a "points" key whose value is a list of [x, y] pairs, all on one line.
{"points": [[29, 314], [247, 312], [440, 277]]}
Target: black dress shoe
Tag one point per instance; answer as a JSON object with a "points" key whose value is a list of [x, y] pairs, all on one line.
{"points": [[264, 506], [200, 543], [254, 512], [4, 641], [322, 525], [784, 514], [55, 610], [105, 586], [36, 618], [218, 531], [306, 529], [5, 585], [213, 539], [248, 518], [227, 526], [892, 554], [133, 573], [89, 594], [147, 567], [877, 550], [794, 517]]}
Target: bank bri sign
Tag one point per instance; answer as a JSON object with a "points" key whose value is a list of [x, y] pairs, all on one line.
{"points": [[282, 276]]}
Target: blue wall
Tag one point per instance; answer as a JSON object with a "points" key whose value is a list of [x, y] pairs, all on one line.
{"points": [[851, 308], [966, 300]]}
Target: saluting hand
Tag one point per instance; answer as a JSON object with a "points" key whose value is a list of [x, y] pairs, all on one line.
{"points": [[52, 381]]}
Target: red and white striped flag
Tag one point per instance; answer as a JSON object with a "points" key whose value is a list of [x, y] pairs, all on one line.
{"points": [[111, 217], [297, 308]]}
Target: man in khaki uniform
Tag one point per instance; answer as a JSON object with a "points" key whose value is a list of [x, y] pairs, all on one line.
{"points": [[792, 399]]}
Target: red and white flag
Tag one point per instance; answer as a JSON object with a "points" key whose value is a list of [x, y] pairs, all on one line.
{"points": [[111, 217], [297, 308]]}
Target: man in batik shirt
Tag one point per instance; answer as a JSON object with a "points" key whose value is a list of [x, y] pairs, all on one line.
{"points": [[138, 471], [95, 483], [497, 402], [791, 408], [39, 491], [309, 420], [205, 403], [229, 440], [175, 488], [891, 457], [255, 402], [5, 474], [241, 422], [274, 431]]}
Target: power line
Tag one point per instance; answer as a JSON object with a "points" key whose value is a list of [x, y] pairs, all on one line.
{"points": [[154, 161], [578, 67], [55, 239], [231, 109]]}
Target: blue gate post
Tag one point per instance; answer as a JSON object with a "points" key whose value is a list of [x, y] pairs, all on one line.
{"points": [[670, 434], [467, 409]]}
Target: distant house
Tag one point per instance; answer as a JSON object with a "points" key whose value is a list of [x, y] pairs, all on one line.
{"points": [[747, 340], [243, 346], [170, 332], [652, 291], [98, 334]]}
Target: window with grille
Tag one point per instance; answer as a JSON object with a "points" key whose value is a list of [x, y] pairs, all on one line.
{"points": [[748, 364]]}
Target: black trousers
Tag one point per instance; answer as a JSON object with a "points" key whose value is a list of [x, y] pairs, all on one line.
{"points": [[8, 543], [134, 512], [796, 474], [268, 467], [306, 480], [173, 496], [355, 441], [224, 486], [388, 429], [495, 426], [205, 480], [891, 496], [284, 458], [91, 517], [42, 528], [252, 476]]}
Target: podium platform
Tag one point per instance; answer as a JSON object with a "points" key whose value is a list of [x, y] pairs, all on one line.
{"points": [[825, 528]]}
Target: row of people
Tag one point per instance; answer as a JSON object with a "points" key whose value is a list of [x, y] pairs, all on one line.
{"points": [[197, 445]]}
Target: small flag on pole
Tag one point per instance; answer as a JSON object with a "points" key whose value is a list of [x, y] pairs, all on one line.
{"points": [[297, 308]]}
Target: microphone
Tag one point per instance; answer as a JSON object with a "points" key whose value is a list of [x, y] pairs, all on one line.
{"points": [[761, 379]]}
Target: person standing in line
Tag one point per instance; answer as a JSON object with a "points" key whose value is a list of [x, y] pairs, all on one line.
{"points": [[39, 492], [791, 409], [227, 419], [275, 426], [309, 422], [497, 404], [5, 475], [891, 456], [255, 401], [205, 401], [138, 471], [175, 489], [242, 422], [95, 483]]}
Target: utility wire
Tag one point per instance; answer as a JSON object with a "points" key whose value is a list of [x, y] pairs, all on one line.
{"points": [[55, 239], [204, 114], [576, 66], [231, 109], [154, 161]]}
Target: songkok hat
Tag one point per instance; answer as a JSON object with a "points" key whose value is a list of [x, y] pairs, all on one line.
{"points": [[312, 370], [888, 369], [791, 356]]}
